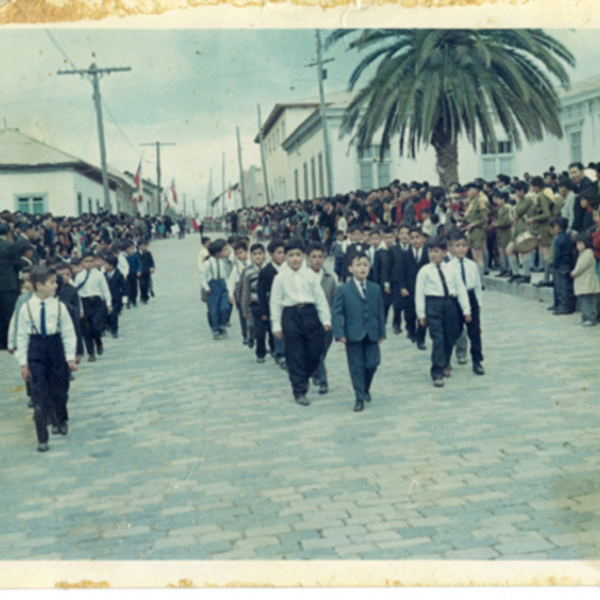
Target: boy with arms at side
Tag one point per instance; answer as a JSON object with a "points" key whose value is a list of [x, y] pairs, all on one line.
{"points": [[135, 272], [67, 294], [391, 285], [215, 287], [117, 287], [148, 266], [257, 328], [564, 298], [315, 256], [265, 282], [46, 351], [359, 323], [234, 284], [300, 313], [437, 290]]}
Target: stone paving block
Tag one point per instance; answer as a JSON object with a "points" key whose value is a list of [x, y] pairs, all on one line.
{"points": [[270, 530], [126, 532], [354, 549], [174, 542], [481, 553], [324, 543], [403, 543], [256, 542], [524, 547]]}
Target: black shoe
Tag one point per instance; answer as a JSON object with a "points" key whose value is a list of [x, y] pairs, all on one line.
{"points": [[514, 278], [505, 274], [250, 344], [323, 389], [542, 283], [217, 336], [397, 330], [71, 377], [553, 307], [438, 382], [478, 369], [359, 405], [447, 372], [260, 361], [547, 284], [245, 342], [152, 293], [302, 401], [92, 358], [368, 397], [283, 365], [100, 350], [561, 312], [63, 428], [55, 430], [30, 404], [524, 279], [114, 336], [128, 306], [421, 346], [462, 360], [43, 447]]}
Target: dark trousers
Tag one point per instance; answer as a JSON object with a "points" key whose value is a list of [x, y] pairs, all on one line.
{"points": [[338, 267], [49, 382], [132, 288], [445, 325], [112, 321], [415, 330], [7, 307], [92, 323], [320, 375], [218, 305], [304, 343], [260, 331], [563, 286], [474, 329], [243, 321], [363, 359], [144, 287]]}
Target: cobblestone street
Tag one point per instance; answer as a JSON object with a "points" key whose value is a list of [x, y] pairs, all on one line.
{"points": [[185, 448]]}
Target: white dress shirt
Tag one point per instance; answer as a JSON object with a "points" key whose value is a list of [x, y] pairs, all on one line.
{"points": [[429, 283], [402, 246], [417, 253], [473, 279], [214, 269], [297, 287], [95, 285], [123, 264], [26, 327]]}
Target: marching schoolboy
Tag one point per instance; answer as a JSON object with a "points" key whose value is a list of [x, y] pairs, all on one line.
{"points": [[135, 272], [257, 328], [315, 256], [469, 273], [95, 295], [148, 266], [118, 288], [300, 314], [234, 284], [68, 295], [564, 299], [338, 251], [215, 286], [359, 323], [46, 350], [437, 291]]}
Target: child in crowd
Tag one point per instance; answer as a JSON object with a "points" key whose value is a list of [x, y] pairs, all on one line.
{"points": [[376, 255], [148, 266], [468, 272], [95, 297], [315, 256], [502, 225], [215, 286], [391, 249], [562, 264], [234, 284], [117, 287], [391, 283], [250, 303], [68, 295], [438, 288], [46, 350], [300, 313], [354, 245], [265, 281], [338, 252], [359, 323], [135, 272], [587, 286], [411, 263]]}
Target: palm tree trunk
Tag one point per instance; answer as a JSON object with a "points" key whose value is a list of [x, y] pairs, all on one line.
{"points": [[446, 151]]}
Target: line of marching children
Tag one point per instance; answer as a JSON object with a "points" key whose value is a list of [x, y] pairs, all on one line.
{"points": [[64, 310], [293, 304]]}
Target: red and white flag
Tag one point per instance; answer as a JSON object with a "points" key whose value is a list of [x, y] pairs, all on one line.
{"points": [[229, 192], [172, 188], [167, 205], [137, 181]]}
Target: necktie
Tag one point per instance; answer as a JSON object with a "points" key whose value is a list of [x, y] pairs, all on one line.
{"points": [[462, 271], [443, 278], [363, 287], [43, 332], [87, 275]]}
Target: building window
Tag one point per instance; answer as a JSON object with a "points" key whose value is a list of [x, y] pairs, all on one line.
{"points": [[504, 147], [383, 174], [366, 176], [498, 159], [575, 138], [32, 205], [79, 205], [97, 205], [313, 177], [321, 179], [305, 181], [296, 184]]}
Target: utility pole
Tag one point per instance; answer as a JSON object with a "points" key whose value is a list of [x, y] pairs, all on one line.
{"points": [[242, 188], [262, 157], [158, 145], [319, 64], [210, 195], [223, 186], [184, 205], [95, 74]]}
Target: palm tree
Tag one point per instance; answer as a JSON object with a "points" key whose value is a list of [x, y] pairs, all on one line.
{"points": [[432, 85]]}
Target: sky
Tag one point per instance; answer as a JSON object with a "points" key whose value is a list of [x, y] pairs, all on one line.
{"points": [[189, 87]]}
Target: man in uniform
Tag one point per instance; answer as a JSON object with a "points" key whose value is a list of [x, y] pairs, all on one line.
{"points": [[476, 218]]}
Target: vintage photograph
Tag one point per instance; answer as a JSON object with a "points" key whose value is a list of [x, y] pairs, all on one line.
{"points": [[299, 295]]}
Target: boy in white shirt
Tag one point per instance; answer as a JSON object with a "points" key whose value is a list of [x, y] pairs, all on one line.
{"points": [[300, 312], [214, 284], [439, 290]]}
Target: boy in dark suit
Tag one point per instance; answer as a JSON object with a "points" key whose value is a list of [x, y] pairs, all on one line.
{"points": [[265, 283], [376, 257], [118, 289], [359, 323], [148, 266], [356, 245], [410, 264], [68, 295], [391, 286]]}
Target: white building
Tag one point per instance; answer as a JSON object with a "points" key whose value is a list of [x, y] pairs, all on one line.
{"points": [[254, 187], [296, 164], [36, 178]]}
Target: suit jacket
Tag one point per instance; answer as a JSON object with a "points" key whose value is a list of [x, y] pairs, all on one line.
{"points": [[354, 317], [70, 298], [392, 267], [10, 265], [118, 289], [147, 262], [379, 268], [329, 285], [265, 283], [407, 276]]}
